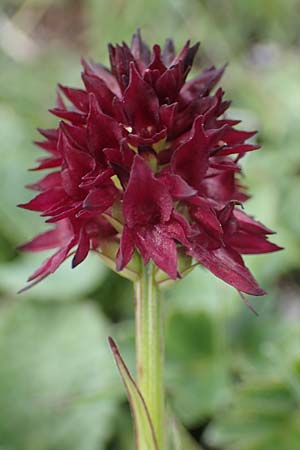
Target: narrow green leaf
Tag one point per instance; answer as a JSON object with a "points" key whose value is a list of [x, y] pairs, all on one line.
{"points": [[144, 432]]}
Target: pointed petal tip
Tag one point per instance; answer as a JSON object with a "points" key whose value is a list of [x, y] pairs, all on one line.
{"points": [[156, 49], [74, 263], [260, 292], [119, 264], [279, 248], [52, 110], [23, 206], [24, 247]]}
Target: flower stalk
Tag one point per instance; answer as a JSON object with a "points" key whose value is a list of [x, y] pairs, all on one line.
{"points": [[150, 348]]}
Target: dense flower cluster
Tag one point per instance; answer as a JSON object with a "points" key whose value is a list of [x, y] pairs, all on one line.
{"points": [[142, 147]]}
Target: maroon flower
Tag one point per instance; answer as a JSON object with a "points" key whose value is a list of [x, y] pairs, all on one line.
{"points": [[147, 159], [151, 222]]}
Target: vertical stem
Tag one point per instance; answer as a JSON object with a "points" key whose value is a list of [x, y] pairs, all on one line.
{"points": [[149, 348]]}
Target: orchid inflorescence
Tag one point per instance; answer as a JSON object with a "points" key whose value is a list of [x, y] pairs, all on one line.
{"points": [[147, 163]]}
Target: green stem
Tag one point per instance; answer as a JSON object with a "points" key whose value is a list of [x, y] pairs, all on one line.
{"points": [[149, 348]]}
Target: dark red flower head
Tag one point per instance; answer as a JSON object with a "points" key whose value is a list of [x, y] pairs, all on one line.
{"points": [[146, 159]]}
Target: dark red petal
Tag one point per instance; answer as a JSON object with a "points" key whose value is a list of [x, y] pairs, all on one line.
{"points": [[251, 244], [120, 162], [99, 229], [103, 94], [227, 264], [225, 214], [207, 219], [70, 183], [248, 224], [174, 230], [49, 181], [221, 187], [122, 156], [49, 146], [63, 205], [215, 138], [168, 114], [76, 165], [136, 139], [239, 148], [162, 250], [101, 198], [47, 163], [169, 83], [65, 211], [60, 104], [232, 136], [75, 135], [78, 97], [183, 222], [222, 164], [120, 112], [45, 200], [186, 55], [51, 134], [94, 179], [141, 103], [51, 264], [79, 162], [73, 116], [178, 188], [82, 249], [48, 240], [202, 84], [126, 249], [156, 63], [102, 130], [98, 70], [146, 199], [120, 59], [190, 160]]}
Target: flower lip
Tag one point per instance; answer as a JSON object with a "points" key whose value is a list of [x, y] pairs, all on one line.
{"points": [[146, 199]]}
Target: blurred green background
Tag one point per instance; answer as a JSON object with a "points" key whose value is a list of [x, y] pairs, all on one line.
{"points": [[233, 380]]}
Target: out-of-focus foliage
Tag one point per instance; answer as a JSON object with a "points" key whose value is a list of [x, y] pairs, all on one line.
{"points": [[57, 386], [195, 353], [232, 378], [264, 410]]}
